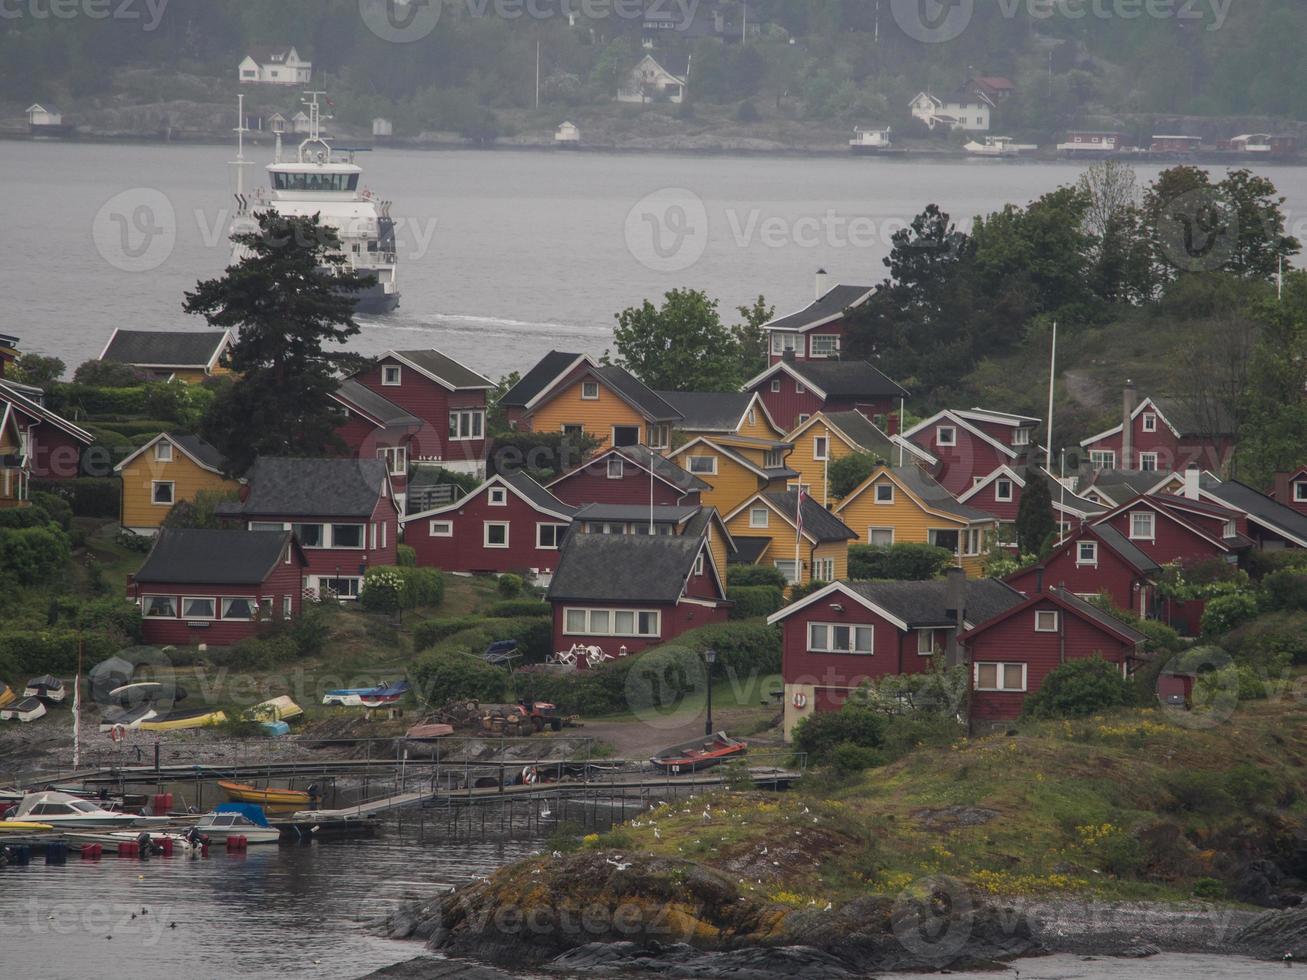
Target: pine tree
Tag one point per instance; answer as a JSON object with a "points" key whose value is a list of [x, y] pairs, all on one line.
{"points": [[1035, 521]]}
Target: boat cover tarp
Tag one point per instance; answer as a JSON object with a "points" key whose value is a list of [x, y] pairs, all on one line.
{"points": [[250, 811]]}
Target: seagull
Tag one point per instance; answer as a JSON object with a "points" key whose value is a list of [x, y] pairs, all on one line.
{"points": [[828, 907], [764, 849], [557, 854], [619, 864]]}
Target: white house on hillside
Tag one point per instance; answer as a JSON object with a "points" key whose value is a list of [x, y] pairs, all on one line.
{"points": [[271, 65], [39, 115], [567, 134], [969, 111], [649, 81], [382, 128]]}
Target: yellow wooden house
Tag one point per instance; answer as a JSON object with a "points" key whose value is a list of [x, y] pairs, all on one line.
{"points": [[904, 505], [13, 464], [736, 468], [828, 437], [767, 531], [721, 414], [167, 469], [170, 355]]}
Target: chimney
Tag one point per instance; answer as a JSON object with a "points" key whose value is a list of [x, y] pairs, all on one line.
{"points": [[1192, 482], [1282, 490], [1127, 461], [955, 599], [1039, 580], [244, 491], [823, 283]]}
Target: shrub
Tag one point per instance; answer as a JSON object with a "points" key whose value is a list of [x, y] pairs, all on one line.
{"points": [[423, 587], [449, 676], [820, 734], [25, 653], [1209, 888], [1284, 591], [201, 511], [406, 556], [849, 759], [1080, 688], [899, 562], [1250, 784], [312, 629], [263, 651], [383, 590], [33, 555], [88, 496], [1268, 638], [908, 732], [1263, 563], [742, 648], [17, 518], [509, 586], [850, 472], [755, 601], [1197, 791], [54, 508], [1225, 612], [803, 591], [112, 616], [133, 541], [513, 608], [747, 575], [431, 632]]}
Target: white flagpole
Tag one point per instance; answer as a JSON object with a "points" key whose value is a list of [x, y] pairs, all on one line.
{"points": [[1052, 381], [77, 710], [651, 493], [798, 539]]}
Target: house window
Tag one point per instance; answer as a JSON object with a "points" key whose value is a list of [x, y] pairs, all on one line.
{"points": [[468, 424], [928, 643], [1045, 621], [783, 342], [267, 526], [341, 588], [163, 452], [800, 388], [159, 607], [974, 541], [759, 517], [1001, 677], [789, 571], [441, 529], [838, 638], [347, 536], [660, 436], [193, 608], [776, 386], [1143, 525], [825, 345], [1087, 553], [880, 537], [1021, 437], [821, 448], [573, 430], [1148, 462], [310, 535], [1102, 459], [884, 493], [698, 564], [703, 465], [773, 459], [1230, 529], [391, 375], [636, 623], [804, 418], [615, 469], [242, 609], [287, 607], [1150, 423], [753, 416], [496, 535], [946, 435], [825, 570], [799, 488], [161, 492], [396, 458], [590, 391], [498, 497], [549, 537], [626, 435], [948, 539], [1300, 492], [1003, 490]]}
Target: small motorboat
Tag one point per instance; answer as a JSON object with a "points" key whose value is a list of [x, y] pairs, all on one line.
{"points": [[176, 721], [63, 811], [272, 800], [277, 709], [367, 697], [115, 716], [702, 753], [238, 820], [28, 709], [147, 692], [428, 732], [7, 695], [149, 841], [47, 688]]}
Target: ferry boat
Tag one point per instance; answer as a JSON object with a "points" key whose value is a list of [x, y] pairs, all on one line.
{"points": [[318, 182]]}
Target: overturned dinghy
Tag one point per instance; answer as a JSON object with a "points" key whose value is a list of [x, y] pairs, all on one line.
{"points": [[28, 709]]}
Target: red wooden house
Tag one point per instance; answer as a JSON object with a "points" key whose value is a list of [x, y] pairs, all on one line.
{"points": [[1159, 434], [625, 593], [205, 586], [816, 332], [1011, 653], [1268, 521], [55, 449], [508, 524], [1097, 561], [342, 511], [375, 428], [1000, 494], [971, 445], [1291, 490], [629, 475], [794, 391], [848, 633]]}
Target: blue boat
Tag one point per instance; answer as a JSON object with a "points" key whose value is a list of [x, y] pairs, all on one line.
{"points": [[367, 697]]}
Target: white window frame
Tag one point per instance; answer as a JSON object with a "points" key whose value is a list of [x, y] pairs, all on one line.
{"points": [[1148, 462], [288, 607], [485, 535], [1086, 559], [827, 645], [392, 375], [355, 581], [588, 386], [832, 349], [660, 436], [776, 386], [871, 536], [766, 517], [972, 542], [396, 458], [698, 564], [616, 468], [781, 564], [497, 496], [782, 342], [824, 570], [163, 452], [1151, 534], [1102, 459], [889, 502], [1021, 437], [999, 486], [1300, 492], [821, 448], [804, 418], [800, 388], [611, 614], [198, 598], [623, 445], [1000, 672], [926, 637], [467, 424], [1150, 422], [440, 529], [952, 439], [1042, 617], [147, 599], [1231, 529], [695, 465], [559, 530], [222, 608], [172, 493]]}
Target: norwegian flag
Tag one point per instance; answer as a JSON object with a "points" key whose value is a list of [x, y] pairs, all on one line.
{"points": [[803, 496]]}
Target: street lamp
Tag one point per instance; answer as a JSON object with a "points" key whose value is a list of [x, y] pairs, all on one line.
{"points": [[710, 658]]}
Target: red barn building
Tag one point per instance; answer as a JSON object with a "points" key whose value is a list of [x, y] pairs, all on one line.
{"points": [[508, 524], [816, 332], [1013, 652], [794, 391], [1164, 435], [629, 475], [625, 593], [342, 511], [216, 587], [1097, 561], [970, 446]]}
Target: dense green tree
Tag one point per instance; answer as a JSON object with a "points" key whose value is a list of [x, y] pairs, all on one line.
{"points": [[849, 472], [1275, 407], [291, 300], [752, 339], [1080, 688], [33, 369], [680, 346], [1035, 520], [497, 416]]}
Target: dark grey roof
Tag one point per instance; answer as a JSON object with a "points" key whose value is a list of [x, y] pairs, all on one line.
{"points": [[311, 488], [1123, 486], [204, 557], [197, 448], [623, 568], [818, 522], [446, 369], [835, 302], [748, 550], [635, 512], [864, 432], [370, 403], [683, 480], [924, 604], [936, 496], [699, 523], [708, 411], [1214, 420], [535, 493], [1091, 612], [1126, 548], [637, 392], [1270, 512], [784, 473], [164, 348], [538, 378], [17, 395], [848, 379]]}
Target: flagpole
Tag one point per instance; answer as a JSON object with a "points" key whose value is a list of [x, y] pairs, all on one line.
{"points": [[1052, 382], [77, 709], [798, 539], [651, 493]]}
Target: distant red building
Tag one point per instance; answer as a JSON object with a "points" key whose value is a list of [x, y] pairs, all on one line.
{"points": [[794, 391], [1000, 494], [973, 444], [1163, 435], [623, 476], [816, 332], [1097, 561]]}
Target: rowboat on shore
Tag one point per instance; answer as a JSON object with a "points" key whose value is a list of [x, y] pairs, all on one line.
{"points": [[272, 800], [275, 709], [367, 697], [47, 688], [7, 695], [28, 709], [115, 716], [428, 732], [176, 721], [701, 753]]}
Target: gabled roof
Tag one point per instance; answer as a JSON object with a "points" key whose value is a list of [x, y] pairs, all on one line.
{"points": [[281, 487], [998, 418], [925, 490], [1125, 549], [270, 54], [380, 411], [703, 518], [727, 451], [1259, 508], [1120, 486], [193, 349], [1180, 418], [517, 483], [13, 394], [1068, 502], [624, 568], [1069, 603], [192, 556], [819, 524], [442, 369], [917, 605], [836, 379], [645, 458], [749, 549], [625, 513], [1162, 506], [192, 447], [862, 434], [549, 369], [640, 396], [960, 419], [622, 382], [714, 411], [829, 308]]}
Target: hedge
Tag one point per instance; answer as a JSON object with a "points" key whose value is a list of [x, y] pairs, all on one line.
{"points": [[754, 601], [472, 634], [29, 653], [427, 634], [899, 562], [746, 575], [88, 496], [511, 608], [421, 586], [405, 556], [446, 675]]}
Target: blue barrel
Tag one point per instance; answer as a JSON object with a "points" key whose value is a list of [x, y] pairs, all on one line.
{"points": [[20, 854], [56, 853]]}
